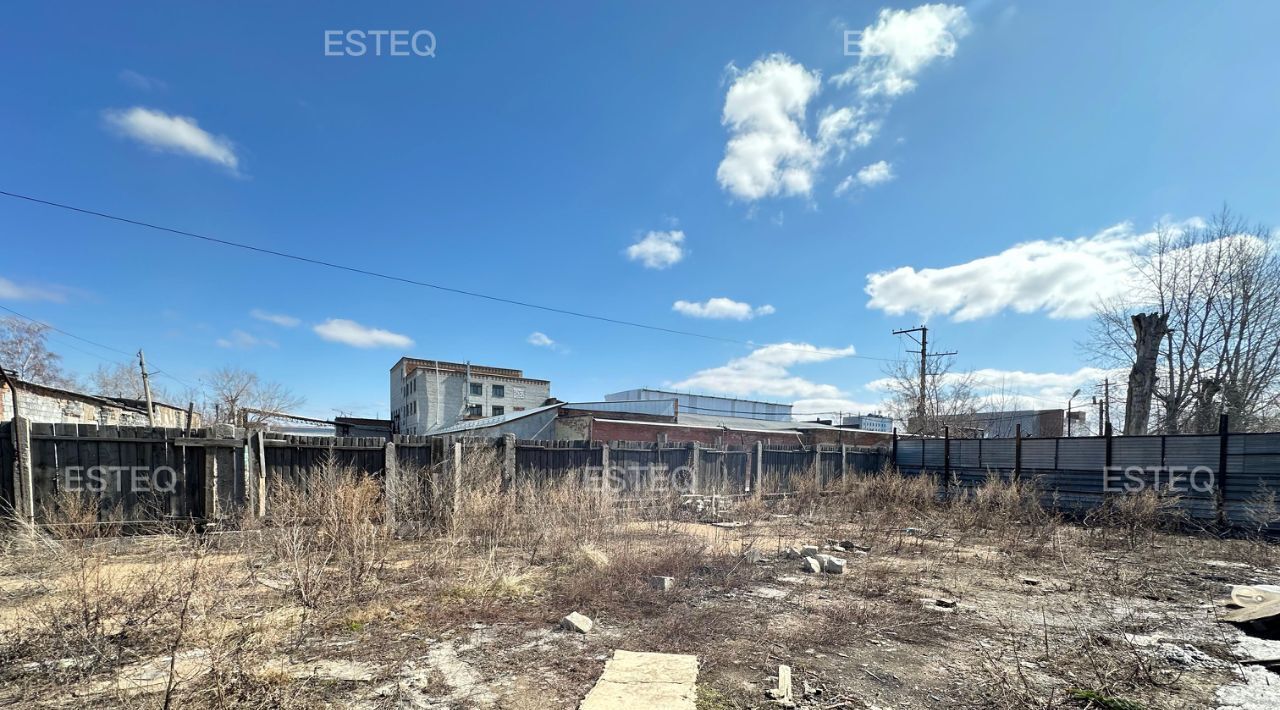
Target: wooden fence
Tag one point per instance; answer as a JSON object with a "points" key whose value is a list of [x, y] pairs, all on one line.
{"points": [[139, 475]]}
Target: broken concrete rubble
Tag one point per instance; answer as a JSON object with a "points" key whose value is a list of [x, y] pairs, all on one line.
{"points": [[662, 584], [810, 565], [577, 622]]}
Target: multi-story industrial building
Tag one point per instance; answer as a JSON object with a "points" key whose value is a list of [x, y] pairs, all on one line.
{"points": [[432, 394], [870, 422]]}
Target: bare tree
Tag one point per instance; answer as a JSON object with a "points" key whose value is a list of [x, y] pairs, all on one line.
{"points": [[23, 352], [1218, 284], [240, 396], [120, 380], [950, 397]]}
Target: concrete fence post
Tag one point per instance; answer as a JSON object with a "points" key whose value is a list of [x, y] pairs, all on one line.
{"points": [[508, 457], [455, 483], [695, 466], [844, 465], [24, 489], [390, 484], [604, 458], [212, 506], [758, 473]]}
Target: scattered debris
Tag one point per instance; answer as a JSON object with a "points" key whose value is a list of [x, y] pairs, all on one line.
{"points": [[1031, 581], [945, 603], [809, 551], [810, 565], [577, 622], [831, 565], [782, 693], [753, 556], [662, 584]]}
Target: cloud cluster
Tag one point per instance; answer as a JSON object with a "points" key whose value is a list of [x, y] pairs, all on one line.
{"points": [[901, 44], [765, 372], [541, 340], [1064, 278], [871, 175], [242, 340], [13, 291], [721, 308], [767, 106], [174, 134], [658, 250], [276, 318], [349, 332]]}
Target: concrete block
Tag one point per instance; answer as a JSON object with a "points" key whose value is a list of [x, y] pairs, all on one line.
{"points": [[662, 584], [810, 550], [810, 565], [577, 622]]}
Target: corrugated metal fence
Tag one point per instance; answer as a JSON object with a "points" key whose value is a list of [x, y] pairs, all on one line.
{"points": [[1225, 478]]}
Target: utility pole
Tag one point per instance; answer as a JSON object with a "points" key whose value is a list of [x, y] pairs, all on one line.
{"points": [[146, 388], [921, 406]]}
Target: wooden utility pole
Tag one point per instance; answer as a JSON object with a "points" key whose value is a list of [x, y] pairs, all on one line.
{"points": [[1148, 330], [146, 389], [922, 410]]}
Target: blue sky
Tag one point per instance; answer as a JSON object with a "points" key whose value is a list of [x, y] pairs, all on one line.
{"points": [[618, 159]]}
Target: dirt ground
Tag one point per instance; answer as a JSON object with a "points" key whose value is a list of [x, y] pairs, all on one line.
{"points": [[939, 613]]}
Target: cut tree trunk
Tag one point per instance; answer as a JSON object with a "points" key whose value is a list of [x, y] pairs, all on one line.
{"points": [[1148, 330]]}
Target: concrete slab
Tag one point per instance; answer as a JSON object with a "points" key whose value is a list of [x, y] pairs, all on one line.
{"points": [[645, 681]]}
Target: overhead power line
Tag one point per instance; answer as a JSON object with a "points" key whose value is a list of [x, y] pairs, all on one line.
{"points": [[93, 343], [399, 279]]}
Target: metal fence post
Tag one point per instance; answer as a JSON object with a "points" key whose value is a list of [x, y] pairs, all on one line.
{"points": [[1017, 453], [946, 454], [1220, 490], [895, 447]]}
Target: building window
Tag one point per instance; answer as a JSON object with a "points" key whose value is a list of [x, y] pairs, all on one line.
{"points": [[499, 410], [475, 410], [499, 391], [477, 389]]}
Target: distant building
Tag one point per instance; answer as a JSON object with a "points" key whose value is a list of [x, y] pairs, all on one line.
{"points": [[706, 404], [430, 395], [356, 426], [870, 422], [42, 404], [1036, 423]]}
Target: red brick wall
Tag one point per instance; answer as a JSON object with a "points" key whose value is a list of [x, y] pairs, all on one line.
{"points": [[607, 431]]}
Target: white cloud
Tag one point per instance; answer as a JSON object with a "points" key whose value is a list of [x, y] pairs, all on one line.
{"points": [[141, 81], [13, 291], [869, 176], [658, 250], [241, 340], [721, 308], [1064, 278], [900, 45], [765, 373], [541, 340], [351, 333], [174, 134], [770, 151], [875, 174], [277, 318]]}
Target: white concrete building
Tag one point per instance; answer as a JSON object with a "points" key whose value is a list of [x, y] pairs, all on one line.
{"points": [[432, 394]]}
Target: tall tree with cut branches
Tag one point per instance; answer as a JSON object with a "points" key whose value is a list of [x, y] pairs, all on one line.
{"points": [[1218, 284]]}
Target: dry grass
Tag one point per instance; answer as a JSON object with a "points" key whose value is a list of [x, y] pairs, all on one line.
{"points": [[324, 579]]}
